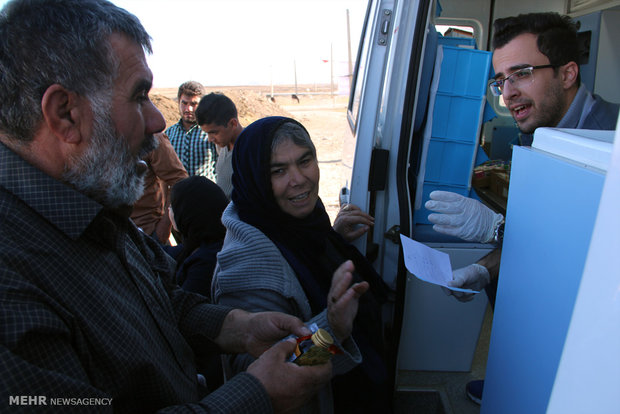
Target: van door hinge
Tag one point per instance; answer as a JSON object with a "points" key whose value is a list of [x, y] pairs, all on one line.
{"points": [[393, 234], [384, 29]]}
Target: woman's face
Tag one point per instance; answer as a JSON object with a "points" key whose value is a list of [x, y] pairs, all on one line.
{"points": [[294, 179]]}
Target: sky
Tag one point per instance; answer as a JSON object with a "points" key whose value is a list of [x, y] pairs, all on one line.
{"points": [[248, 42]]}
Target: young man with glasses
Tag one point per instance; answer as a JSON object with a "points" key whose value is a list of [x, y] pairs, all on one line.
{"points": [[537, 73], [535, 59]]}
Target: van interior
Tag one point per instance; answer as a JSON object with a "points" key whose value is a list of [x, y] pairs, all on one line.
{"points": [[422, 118]]}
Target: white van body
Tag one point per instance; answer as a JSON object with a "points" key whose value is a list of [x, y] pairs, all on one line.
{"points": [[393, 103]]}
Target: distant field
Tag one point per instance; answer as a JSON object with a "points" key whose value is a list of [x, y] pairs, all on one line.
{"points": [[266, 89]]}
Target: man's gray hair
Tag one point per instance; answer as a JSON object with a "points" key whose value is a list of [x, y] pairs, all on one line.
{"points": [[65, 42]]}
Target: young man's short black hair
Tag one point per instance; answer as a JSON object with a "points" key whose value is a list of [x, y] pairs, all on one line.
{"points": [[215, 108], [557, 35]]}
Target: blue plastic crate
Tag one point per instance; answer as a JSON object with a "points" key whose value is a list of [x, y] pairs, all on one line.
{"points": [[450, 162], [457, 41], [456, 117], [421, 216], [464, 72]]}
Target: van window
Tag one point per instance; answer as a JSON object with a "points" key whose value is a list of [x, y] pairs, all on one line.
{"points": [[455, 31], [498, 104], [360, 73]]}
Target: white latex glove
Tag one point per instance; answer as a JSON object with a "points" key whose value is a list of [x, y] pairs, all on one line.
{"points": [[474, 277], [462, 217]]}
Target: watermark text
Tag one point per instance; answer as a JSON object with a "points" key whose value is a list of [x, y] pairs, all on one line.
{"points": [[60, 401]]}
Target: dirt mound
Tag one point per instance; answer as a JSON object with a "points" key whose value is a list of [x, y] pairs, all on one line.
{"points": [[168, 107], [251, 105]]}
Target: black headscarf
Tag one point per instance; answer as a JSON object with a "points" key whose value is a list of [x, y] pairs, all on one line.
{"points": [[198, 204], [310, 245]]}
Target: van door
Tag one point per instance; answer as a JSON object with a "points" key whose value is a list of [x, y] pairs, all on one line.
{"points": [[388, 115], [404, 142]]}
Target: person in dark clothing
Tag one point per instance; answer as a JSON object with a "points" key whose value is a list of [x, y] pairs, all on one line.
{"points": [[88, 307], [196, 207]]}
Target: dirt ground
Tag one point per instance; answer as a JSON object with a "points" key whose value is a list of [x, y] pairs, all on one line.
{"points": [[323, 115]]}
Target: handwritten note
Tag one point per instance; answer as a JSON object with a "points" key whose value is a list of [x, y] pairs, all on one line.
{"points": [[428, 264]]}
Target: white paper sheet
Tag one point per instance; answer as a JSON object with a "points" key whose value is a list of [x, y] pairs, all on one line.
{"points": [[428, 264]]}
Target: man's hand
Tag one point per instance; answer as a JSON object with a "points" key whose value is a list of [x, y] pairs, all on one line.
{"points": [[462, 217], [474, 277], [351, 222], [343, 300], [289, 385], [255, 332]]}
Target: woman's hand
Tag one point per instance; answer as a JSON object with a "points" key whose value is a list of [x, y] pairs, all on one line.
{"points": [[343, 300], [351, 222]]}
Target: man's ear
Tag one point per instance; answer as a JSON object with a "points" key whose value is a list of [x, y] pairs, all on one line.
{"points": [[63, 112], [233, 122], [569, 72]]}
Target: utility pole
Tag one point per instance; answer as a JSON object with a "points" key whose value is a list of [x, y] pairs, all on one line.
{"points": [[350, 74], [331, 80], [271, 77], [295, 69]]}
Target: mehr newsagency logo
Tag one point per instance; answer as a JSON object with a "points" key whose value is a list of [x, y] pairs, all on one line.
{"points": [[42, 400]]}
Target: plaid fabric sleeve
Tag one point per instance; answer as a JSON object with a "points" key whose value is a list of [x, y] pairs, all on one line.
{"points": [[37, 358], [204, 155], [242, 394], [200, 322]]}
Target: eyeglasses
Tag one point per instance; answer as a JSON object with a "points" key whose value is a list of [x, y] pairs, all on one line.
{"points": [[518, 78]]}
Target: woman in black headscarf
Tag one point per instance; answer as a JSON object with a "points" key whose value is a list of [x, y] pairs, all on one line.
{"points": [[281, 251], [196, 207]]}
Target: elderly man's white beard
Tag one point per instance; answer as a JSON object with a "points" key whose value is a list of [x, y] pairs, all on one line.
{"points": [[107, 171]]}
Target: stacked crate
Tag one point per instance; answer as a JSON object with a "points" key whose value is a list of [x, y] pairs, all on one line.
{"points": [[458, 107]]}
